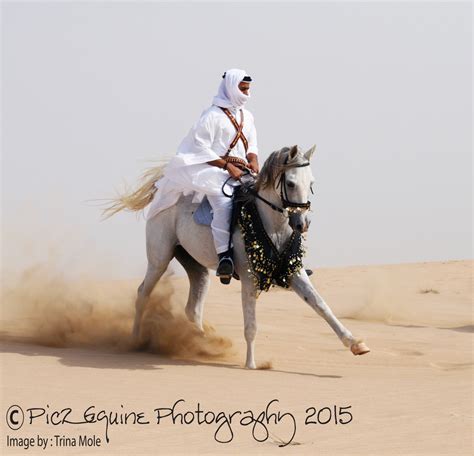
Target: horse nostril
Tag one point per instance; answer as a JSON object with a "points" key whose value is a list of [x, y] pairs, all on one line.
{"points": [[299, 227]]}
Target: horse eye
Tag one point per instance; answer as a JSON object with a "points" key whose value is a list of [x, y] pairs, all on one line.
{"points": [[311, 188], [291, 185]]}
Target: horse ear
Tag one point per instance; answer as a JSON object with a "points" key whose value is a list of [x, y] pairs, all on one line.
{"points": [[293, 152], [310, 153]]}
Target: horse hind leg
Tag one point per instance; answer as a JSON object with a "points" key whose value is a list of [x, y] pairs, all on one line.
{"points": [[153, 275], [199, 281], [160, 243]]}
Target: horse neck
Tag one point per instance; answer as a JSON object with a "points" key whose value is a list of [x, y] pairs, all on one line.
{"points": [[275, 223]]}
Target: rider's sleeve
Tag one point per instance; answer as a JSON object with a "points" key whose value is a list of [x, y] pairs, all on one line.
{"points": [[252, 139], [196, 146], [203, 137]]}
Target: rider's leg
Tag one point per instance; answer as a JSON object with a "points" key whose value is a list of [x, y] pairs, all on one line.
{"points": [[222, 212]]}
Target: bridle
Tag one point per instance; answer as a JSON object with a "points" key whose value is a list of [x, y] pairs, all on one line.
{"points": [[286, 203], [288, 207]]}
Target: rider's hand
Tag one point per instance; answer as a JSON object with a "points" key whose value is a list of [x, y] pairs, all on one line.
{"points": [[235, 172], [253, 163], [253, 166]]}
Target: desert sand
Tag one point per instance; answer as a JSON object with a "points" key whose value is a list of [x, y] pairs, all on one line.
{"points": [[67, 345]]}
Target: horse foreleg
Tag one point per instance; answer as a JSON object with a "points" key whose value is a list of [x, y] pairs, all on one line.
{"points": [[305, 290], [199, 281], [250, 321]]}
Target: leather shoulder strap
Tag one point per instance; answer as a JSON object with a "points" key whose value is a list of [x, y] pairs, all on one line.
{"points": [[239, 128]]}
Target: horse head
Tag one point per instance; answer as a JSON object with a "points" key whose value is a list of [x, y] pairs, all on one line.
{"points": [[287, 175]]}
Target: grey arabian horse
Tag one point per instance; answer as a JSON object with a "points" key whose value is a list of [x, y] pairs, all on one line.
{"points": [[173, 233]]}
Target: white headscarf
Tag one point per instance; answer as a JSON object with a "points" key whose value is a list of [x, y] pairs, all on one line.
{"points": [[229, 95]]}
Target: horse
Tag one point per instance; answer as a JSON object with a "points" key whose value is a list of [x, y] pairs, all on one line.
{"points": [[284, 180]]}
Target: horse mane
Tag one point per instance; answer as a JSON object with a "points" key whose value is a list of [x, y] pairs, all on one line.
{"points": [[276, 164]]}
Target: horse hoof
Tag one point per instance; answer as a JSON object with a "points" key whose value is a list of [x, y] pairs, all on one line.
{"points": [[138, 344], [250, 366], [359, 348], [225, 280]]}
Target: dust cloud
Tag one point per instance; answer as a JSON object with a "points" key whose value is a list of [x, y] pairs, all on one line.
{"points": [[44, 308]]}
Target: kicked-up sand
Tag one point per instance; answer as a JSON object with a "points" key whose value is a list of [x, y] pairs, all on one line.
{"points": [[74, 383]]}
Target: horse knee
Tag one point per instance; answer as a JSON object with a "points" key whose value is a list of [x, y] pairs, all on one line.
{"points": [[322, 308], [318, 305]]}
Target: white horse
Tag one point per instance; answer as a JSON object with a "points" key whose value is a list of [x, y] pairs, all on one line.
{"points": [[173, 233]]}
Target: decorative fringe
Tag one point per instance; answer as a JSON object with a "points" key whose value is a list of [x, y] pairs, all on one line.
{"points": [[267, 266]]}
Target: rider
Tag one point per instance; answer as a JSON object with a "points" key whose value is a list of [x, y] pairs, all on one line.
{"points": [[220, 144]]}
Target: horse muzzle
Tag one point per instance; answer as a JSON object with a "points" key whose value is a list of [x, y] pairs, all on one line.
{"points": [[299, 222]]}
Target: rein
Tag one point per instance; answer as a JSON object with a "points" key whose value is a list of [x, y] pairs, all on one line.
{"points": [[288, 206]]}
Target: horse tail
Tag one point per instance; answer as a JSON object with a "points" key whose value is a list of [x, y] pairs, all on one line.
{"points": [[137, 199]]}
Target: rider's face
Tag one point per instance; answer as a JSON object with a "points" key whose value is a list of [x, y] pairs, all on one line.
{"points": [[244, 87]]}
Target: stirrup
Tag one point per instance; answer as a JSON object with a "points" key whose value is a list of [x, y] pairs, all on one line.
{"points": [[225, 270]]}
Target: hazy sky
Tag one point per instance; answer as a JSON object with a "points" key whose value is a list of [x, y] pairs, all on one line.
{"points": [[90, 91]]}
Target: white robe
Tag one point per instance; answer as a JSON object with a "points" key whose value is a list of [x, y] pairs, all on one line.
{"points": [[188, 172]]}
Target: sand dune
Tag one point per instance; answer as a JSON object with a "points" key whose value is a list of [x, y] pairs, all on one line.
{"points": [[67, 344]]}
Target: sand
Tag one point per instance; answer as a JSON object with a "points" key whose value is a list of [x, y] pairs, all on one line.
{"points": [[67, 345]]}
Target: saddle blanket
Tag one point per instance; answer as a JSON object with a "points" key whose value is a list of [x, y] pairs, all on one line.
{"points": [[203, 214]]}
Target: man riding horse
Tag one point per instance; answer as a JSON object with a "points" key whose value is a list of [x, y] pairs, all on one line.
{"points": [[267, 238], [221, 144]]}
